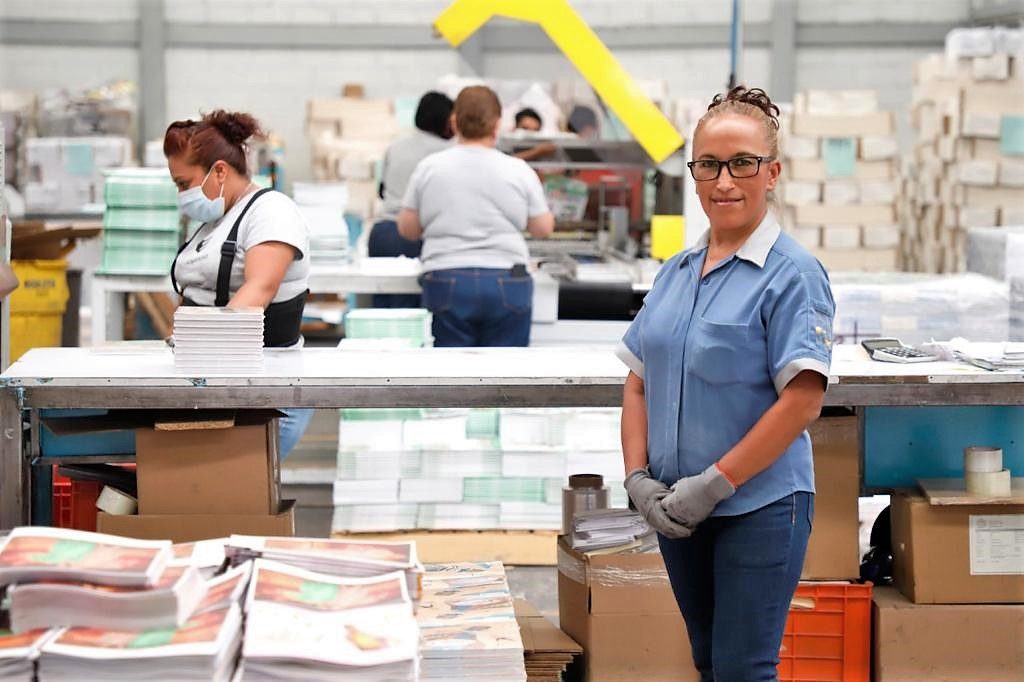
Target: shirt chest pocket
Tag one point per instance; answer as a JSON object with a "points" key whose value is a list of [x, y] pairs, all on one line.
{"points": [[723, 354]]}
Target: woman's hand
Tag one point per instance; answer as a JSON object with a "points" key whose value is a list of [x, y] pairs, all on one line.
{"points": [[694, 498]]}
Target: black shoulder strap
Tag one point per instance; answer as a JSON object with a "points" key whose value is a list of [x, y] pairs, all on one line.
{"points": [[174, 263], [227, 254]]}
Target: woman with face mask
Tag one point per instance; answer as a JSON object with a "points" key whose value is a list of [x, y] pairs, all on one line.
{"points": [[252, 244]]}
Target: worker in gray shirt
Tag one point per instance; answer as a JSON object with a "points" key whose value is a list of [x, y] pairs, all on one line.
{"points": [[432, 134], [470, 204]]}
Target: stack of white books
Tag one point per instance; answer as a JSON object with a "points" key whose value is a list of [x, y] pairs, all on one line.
{"points": [[366, 491], [310, 626], [210, 340], [205, 647], [346, 558], [373, 518], [530, 515], [18, 653], [467, 623], [430, 490], [607, 528], [460, 463], [458, 516]]}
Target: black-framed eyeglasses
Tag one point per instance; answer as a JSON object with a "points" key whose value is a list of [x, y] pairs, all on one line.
{"points": [[739, 167]]}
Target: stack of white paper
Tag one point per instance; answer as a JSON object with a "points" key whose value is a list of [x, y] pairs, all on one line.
{"points": [[18, 653], [430, 490], [209, 340], [460, 463], [374, 464], [366, 491], [310, 626], [467, 624], [530, 516], [458, 516], [374, 518], [604, 528], [322, 206], [548, 463]]}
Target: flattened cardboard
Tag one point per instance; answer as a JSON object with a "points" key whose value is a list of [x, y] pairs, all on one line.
{"points": [[946, 643], [539, 634], [211, 471], [832, 551], [931, 554], [192, 527]]}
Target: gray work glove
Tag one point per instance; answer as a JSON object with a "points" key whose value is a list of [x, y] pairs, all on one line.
{"points": [[647, 495], [694, 498]]}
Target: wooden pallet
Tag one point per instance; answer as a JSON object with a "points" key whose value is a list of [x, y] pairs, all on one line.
{"points": [[513, 547]]}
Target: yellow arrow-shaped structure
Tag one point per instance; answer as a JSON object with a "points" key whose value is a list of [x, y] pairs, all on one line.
{"points": [[584, 49]]}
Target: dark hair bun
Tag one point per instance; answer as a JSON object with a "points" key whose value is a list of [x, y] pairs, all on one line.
{"points": [[755, 97], [236, 127]]}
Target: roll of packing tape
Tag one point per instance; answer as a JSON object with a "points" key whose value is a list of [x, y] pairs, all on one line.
{"points": [[988, 483], [113, 501], [983, 460]]}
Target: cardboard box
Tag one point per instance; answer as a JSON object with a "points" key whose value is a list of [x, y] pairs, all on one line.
{"points": [[878, 147], [978, 216], [980, 173], [192, 527], [188, 467], [799, 192], [858, 214], [946, 643], [944, 555], [621, 610], [840, 192], [994, 97], [986, 150], [878, 191], [797, 147], [874, 260], [881, 236], [1011, 174], [837, 102], [840, 237], [808, 236], [877, 123], [833, 552], [814, 169], [992, 196], [992, 68]]}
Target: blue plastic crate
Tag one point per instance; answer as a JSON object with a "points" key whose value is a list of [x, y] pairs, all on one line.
{"points": [[121, 442]]}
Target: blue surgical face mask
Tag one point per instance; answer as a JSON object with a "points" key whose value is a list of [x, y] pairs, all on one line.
{"points": [[197, 206]]}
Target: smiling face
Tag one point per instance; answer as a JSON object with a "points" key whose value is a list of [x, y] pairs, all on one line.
{"points": [[735, 204]]}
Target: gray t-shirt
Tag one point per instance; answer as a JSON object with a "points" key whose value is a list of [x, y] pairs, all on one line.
{"points": [[400, 161], [473, 204]]}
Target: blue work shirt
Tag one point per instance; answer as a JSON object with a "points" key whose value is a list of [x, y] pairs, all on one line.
{"points": [[716, 352]]}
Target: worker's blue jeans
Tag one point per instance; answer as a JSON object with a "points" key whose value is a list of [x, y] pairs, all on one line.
{"points": [[478, 306], [385, 241], [734, 579], [290, 429]]}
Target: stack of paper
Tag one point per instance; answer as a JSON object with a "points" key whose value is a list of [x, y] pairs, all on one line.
{"points": [[32, 554], [430, 490], [371, 518], [322, 205], [347, 558], [205, 555], [309, 626], [467, 625], [459, 463], [605, 528], [372, 464], [18, 653], [549, 462], [530, 516], [366, 491], [494, 490], [458, 516], [204, 648], [168, 603], [990, 356], [210, 340]]}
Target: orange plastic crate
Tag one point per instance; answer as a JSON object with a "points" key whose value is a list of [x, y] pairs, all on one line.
{"points": [[828, 634], [60, 512]]}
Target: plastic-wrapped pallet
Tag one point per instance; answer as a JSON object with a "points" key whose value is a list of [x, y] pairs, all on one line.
{"points": [[839, 165], [966, 169], [412, 324], [323, 206], [918, 308], [996, 252]]}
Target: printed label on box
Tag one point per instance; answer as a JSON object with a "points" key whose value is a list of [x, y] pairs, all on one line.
{"points": [[997, 544], [840, 156], [1011, 136]]}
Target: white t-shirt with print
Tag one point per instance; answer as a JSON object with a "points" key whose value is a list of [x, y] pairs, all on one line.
{"points": [[273, 217]]}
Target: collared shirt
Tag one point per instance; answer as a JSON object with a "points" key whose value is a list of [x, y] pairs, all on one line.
{"points": [[716, 351]]}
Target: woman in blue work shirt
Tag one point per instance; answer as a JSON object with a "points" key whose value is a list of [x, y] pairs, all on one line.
{"points": [[729, 361]]}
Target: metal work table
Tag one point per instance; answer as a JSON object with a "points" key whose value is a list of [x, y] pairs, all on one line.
{"points": [[141, 375]]}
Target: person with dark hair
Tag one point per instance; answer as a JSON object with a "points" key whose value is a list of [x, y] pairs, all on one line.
{"points": [[251, 245], [432, 134], [583, 122], [729, 361], [470, 205], [529, 119]]}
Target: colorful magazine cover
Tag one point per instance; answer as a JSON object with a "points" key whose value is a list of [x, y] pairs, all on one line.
{"points": [[23, 645], [36, 553], [299, 615], [399, 555], [226, 589]]}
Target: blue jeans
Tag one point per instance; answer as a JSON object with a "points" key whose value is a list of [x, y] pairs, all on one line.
{"points": [[733, 579], [478, 307], [386, 241], [290, 429]]}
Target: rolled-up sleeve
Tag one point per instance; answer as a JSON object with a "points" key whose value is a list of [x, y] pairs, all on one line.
{"points": [[630, 350], [800, 329]]}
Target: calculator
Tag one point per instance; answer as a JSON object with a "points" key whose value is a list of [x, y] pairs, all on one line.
{"points": [[891, 350]]}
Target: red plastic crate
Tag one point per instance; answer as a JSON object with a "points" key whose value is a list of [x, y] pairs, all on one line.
{"points": [[60, 512], [74, 502], [828, 634]]}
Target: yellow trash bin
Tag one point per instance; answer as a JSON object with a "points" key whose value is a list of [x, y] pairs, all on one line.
{"points": [[37, 305]]}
